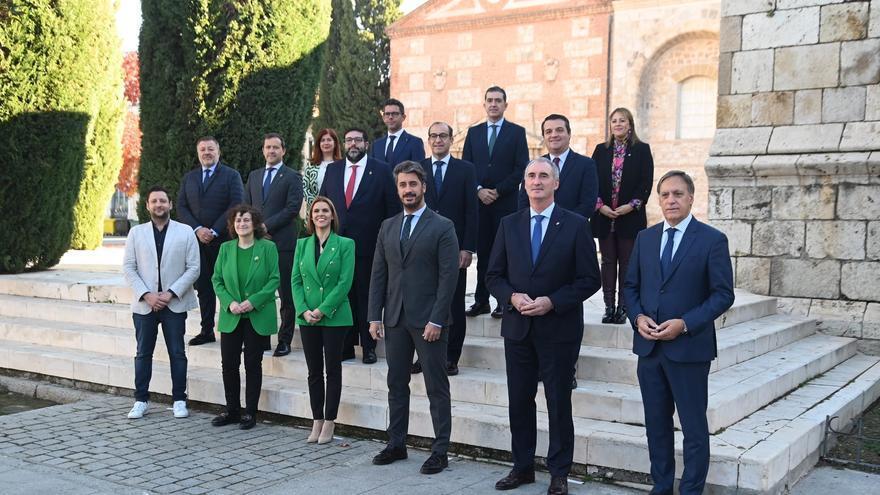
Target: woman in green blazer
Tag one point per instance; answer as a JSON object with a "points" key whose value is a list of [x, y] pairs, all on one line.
{"points": [[245, 280], [323, 268]]}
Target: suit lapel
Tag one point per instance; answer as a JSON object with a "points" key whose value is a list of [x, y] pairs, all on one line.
{"points": [[417, 230], [363, 186], [683, 246], [431, 196], [309, 257], [256, 259], [328, 255], [652, 238], [398, 149], [213, 176], [553, 225], [499, 141]]}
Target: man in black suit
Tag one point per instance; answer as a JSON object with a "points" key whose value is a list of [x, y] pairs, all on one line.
{"points": [[398, 145], [362, 189], [276, 190], [543, 267], [414, 273], [206, 194], [578, 182], [452, 192], [499, 151]]}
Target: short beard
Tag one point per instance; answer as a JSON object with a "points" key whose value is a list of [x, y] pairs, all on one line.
{"points": [[356, 158], [162, 218]]}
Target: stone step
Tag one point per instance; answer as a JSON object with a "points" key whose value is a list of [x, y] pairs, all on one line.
{"points": [[760, 453]]}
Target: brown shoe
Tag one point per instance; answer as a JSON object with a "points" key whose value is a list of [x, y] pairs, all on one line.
{"points": [[558, 485]]}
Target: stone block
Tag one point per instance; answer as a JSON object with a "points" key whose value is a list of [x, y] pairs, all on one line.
{"points": [[783, 28], [720, 203], [858, 201], [871, 322], [808, 106], [729, 166], [873, 241], [806, 67], [741, 7], [861, 136], [753, 274], [773, 238], [774, 108], [782, 166], [859, 280], [847, 21], [748, 141], [752, 71], [739, 235], [796, 4], [860, 62], [842, 318], [805, 278], [814, 202], [836, 239], [752, 203], [872, 101], [805, 138], [734, 111], [793, 306], [730, 34], [843, 104], [874, 22], [833, 164]]}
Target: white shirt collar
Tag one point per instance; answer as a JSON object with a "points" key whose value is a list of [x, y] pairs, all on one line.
{"points": [[682, 225], [445, 159], [418, 213], [562, 157], [362, 163], [396, 134], [499, 123], [548, 212], [276, 166], [211, 168]]}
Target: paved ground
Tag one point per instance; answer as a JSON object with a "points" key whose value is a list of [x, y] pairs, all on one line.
{"points": [[90, 447]]}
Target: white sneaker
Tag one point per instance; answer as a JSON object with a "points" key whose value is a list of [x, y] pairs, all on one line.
{"points": [[138, 410], [180, 410]]}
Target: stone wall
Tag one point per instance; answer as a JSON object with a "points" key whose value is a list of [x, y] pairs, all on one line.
{"points": [[794, 169]]}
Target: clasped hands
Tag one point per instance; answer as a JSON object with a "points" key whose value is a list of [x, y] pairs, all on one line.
{"points": [[487, 196], [650, 330], [313, 316], [431, 333], [158, 300], [238, 308], [619, 211], [205, 235], [527, 306]]}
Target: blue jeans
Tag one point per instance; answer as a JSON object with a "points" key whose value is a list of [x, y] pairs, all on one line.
{"points": [[146, 329]]}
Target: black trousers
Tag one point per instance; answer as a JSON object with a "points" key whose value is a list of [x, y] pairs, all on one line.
{"points": [[615, 251], [230, 356], [285, 267], [359, 299], [204, 288], [323, 345], [490, 218], [458, 329]]}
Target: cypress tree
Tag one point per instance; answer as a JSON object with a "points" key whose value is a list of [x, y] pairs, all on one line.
{"points": [[234, 70]]}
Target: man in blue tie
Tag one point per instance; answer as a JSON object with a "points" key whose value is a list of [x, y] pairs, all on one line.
{"points": [[543, 267], [679, 281], [398, 145]]}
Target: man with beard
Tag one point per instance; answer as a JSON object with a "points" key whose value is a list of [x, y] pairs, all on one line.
{"points": [[415, 271], [363, 192], [161, 264]]}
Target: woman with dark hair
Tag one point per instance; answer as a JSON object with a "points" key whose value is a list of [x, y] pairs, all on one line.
{"points": [[323, 269], [625, 169], [245, 280], [326, 152]]}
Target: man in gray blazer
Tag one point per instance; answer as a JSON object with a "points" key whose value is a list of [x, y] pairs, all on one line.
{"points": [[415, 271], [161, 264]]}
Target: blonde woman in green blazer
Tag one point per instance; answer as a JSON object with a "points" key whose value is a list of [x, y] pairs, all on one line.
{"points": [[245, 280], [323, 268]]}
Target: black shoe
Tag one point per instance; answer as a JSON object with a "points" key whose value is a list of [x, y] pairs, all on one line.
{"points": [[478, 309], [558, 485], [224, 419], [574, 383], [608, 317], [348, 354], [389, 455], [514, 480], [370, 356], [620, 315], [247, 422], [435, 464], [416, 368], [497, 313], [283, 349], [202, 338], [451, 369]]}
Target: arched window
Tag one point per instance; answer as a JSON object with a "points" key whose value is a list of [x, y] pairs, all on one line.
{"points": [[696, 108]]}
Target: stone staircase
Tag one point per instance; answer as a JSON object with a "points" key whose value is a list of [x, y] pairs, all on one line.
{"points": [[770, 390]]}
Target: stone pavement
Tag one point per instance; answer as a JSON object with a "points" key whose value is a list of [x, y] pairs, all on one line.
{"points": [[90, 447]]}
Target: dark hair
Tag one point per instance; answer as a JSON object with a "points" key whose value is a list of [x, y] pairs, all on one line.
{"points": [[441, 123], [256, 219], [275, 135], [157, 189], [633, 138], [678, 173], [495, 89], [334, 222], [410, 167], [317, 154], [395, 102], [556, 116], [358, 129], [207, 138]]}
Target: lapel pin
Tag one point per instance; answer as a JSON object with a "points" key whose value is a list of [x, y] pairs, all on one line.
{"points": [[557, 223], [256, 258]]}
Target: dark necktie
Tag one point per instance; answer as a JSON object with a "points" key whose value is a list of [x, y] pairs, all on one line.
{"points": [[389, 150], [666, 257], [438, 176], [536, 237], [404, 234], [205, 179], [267, 182], [556, 162], [493, 137]]}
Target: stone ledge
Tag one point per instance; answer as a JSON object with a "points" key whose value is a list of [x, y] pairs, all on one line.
{"points": [[838, 166]]}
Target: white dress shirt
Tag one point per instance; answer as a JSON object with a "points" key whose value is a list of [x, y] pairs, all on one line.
{"points": [[362, 164], [544, 223], [562, 157], [681, 228]]}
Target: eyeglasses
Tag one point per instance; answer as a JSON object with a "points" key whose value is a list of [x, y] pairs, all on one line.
{"points": [[354, 140], [442, 136], [391, 114]]}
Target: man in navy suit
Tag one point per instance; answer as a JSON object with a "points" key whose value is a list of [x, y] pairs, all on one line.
{"points": [[397, 145], [543, 267], [452, 192], [678, 282], [499, 151], [578, 182], [205, 195], [363, 191]]}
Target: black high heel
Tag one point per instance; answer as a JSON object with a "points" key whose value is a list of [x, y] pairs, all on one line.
{"points": [[609, 315], [620, 315]]}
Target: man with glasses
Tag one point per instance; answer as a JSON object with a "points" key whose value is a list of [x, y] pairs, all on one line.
{"points": [[363, 191], [397, 145]]}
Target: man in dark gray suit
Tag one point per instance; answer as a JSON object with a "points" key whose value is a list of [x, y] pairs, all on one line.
{"points": [[415, 271], [276, 190]]}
